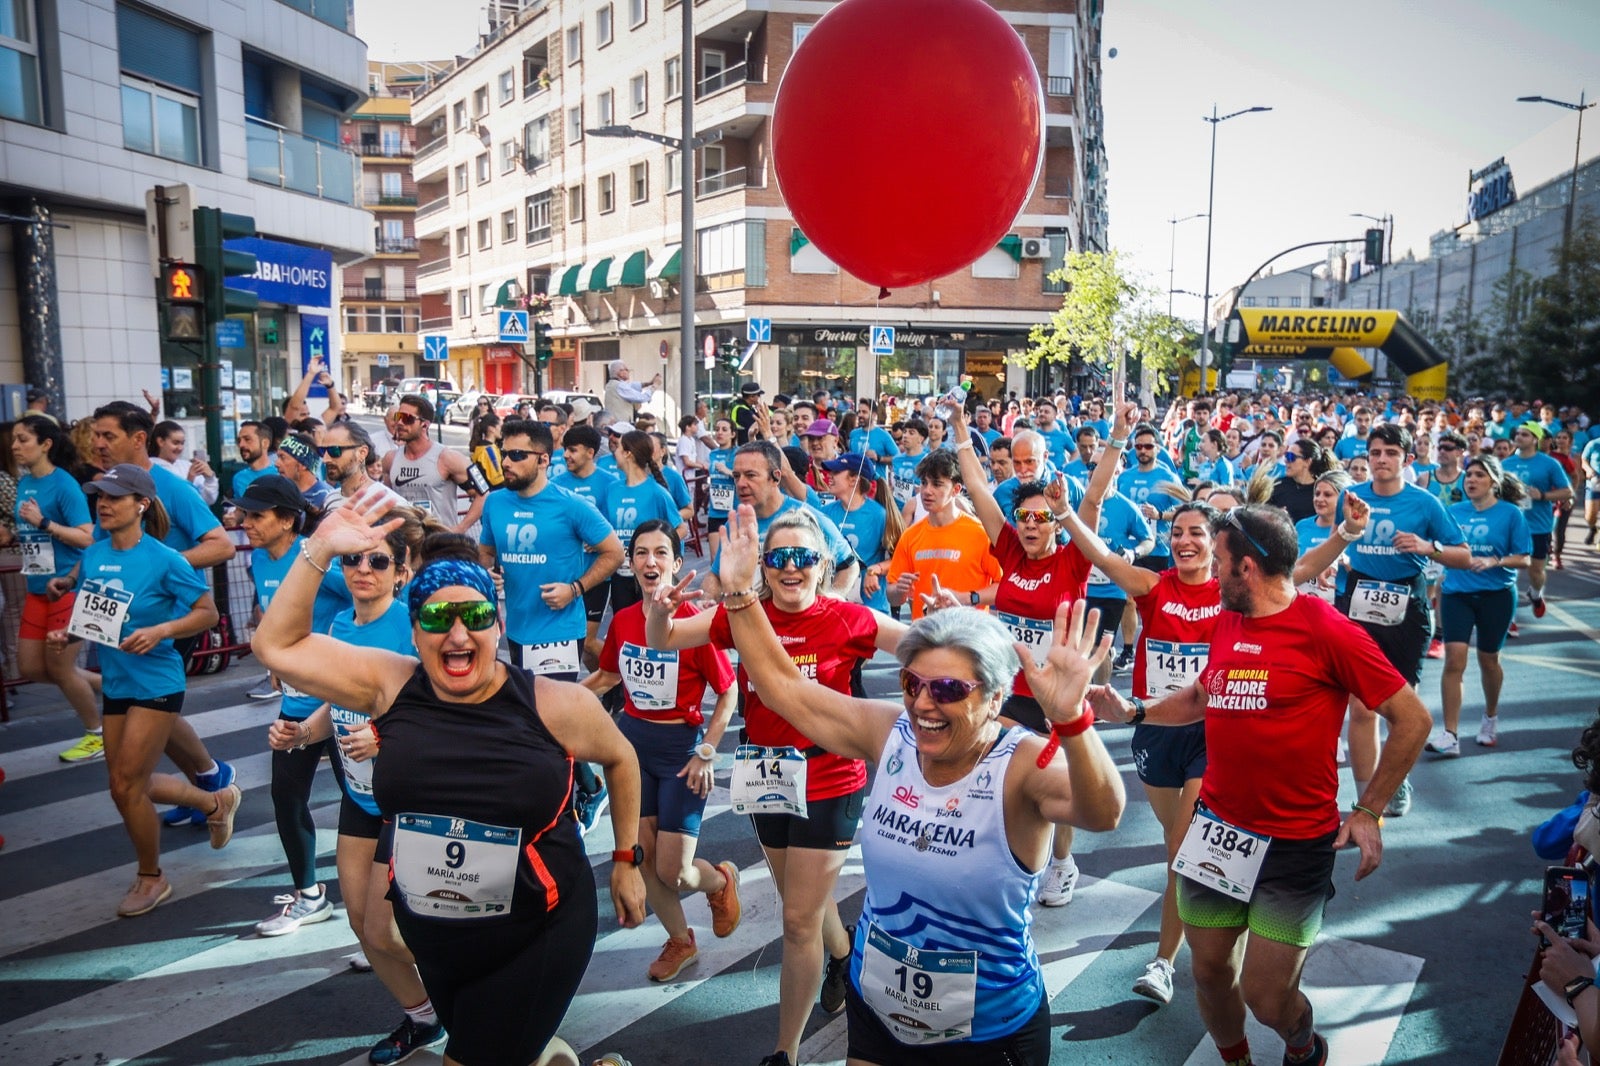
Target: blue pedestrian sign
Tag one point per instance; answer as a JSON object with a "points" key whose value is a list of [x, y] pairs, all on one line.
{"points": [[435, 348], [758, 330], [513, 327], [882, 340]]}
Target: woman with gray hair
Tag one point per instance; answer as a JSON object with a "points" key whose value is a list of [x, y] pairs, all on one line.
{"points": [[938, 972], [804, 799]]}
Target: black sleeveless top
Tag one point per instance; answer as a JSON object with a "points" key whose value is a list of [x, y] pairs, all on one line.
{"points": [[492, 762]]}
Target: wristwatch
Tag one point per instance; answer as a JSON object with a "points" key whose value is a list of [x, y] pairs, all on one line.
{"points": [[634, 857], [973, 599], [1138, 711], [1574, 988], [706, 752]]}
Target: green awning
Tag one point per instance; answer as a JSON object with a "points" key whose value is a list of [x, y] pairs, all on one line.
{"points": [[632, 270], [666, 266], [1011, 244], [507, 296], [797, 241], [569, 281], [599, 277]]}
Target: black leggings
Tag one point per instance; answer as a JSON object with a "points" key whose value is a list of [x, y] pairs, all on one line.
{"points": [[292, 774], [502, 991]]}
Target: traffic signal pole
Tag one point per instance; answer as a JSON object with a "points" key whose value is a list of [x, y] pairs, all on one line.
{"points": [[217, 264]]}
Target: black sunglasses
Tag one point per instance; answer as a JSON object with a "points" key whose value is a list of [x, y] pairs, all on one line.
{"points": [[379, 561], [334, 451], [517, 455], [1232, 518]]}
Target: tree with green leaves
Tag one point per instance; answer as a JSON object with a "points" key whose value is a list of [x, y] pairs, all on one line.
{"points": [[1558, 344], [1105, 310]]}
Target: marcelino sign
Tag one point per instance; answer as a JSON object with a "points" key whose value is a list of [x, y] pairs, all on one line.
{"points": [[1335, 335], [1489, 190], [1359, 329]]}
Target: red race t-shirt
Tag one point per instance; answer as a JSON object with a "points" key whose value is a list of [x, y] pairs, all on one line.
{"points": [[825, 642], [1034, 588], [696, 666], [1277, 692], [1179, 618]]}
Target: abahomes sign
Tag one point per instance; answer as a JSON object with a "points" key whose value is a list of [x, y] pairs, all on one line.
{"points": [[1489, 190]]}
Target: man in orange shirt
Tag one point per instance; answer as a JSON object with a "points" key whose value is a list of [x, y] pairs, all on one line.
{"points": [[947, 546]]}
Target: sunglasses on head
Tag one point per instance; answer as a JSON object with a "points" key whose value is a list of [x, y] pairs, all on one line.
{"points": [[944, 690], [1232, 519], [517, 455], [406, 418], [1033, 514], [379, 561], [802, 558], [334, 451], [440, 617]]}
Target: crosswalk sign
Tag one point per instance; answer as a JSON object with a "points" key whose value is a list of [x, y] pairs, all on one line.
{"points": [[435, 348], [882, 340], [758, 330], [513, 327]]}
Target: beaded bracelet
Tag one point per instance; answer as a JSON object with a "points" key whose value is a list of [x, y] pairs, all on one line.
{"points": [[305, 553]]}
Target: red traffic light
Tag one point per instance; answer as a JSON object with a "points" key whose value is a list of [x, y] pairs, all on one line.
{"points": [[181, 284]]}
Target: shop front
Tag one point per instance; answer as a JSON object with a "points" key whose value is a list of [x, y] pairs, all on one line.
{"points": [[502, 370], [925, 362]]}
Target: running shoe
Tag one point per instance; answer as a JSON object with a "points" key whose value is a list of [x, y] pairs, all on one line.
{"points": [[612, 1058], [675, 955], [1444, 742], [220, 821], [297, 911], [1436, 648], [1318, 1056], [1124, 662], [1513, 631], [215, 781], [92, 746], [1538, 606], [264, 690], [835, 978], [1156, 981], [145, 895], [359, 962], [1555, 561], [1486, 732], [589, 806], [1588, 538], [777, 1058], [1060, 879], [724, 903], [1400, 803], [404, 1042], [183, 816]]}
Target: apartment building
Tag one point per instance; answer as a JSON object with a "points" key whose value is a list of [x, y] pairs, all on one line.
{"points": [[100, 101], [518, 197]]}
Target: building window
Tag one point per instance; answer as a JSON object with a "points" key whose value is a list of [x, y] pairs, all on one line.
{"points": [[1272, 301], [460, 111], [1247, 301], [161, 82], [712, 164], [800, 31], [602, 26], [721, 249], [575, 203], [713, 68], [638, 94], [510, 156], [508, 86], [485, 234], [462, 247], [574, 124], [672, 77], [537, 207], [1058, 82], [486, 294], [483, 168], [605, 192], [394, 235], [461, 177], [19, 63], [160, 121], [508, 227], [637, 9], [605, 106], [480, 101], [574, 44], [464, 303], [674, 172], [1294, 301], [536, 141], [639, 182], [389, 181]]}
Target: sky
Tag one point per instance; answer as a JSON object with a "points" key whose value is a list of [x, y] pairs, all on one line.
{"points": [[1378, 107]]}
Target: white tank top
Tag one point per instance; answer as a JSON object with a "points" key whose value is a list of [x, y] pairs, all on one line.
{"points": [[419, 481]]}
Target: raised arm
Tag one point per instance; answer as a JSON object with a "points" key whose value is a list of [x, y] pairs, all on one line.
{"points": [[663, 630], [973, 478], [1326, 554], [1136, 581]]}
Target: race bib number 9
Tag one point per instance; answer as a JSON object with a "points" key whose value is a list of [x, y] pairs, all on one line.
{"points": [[921, 996], [454, 868], [768, 781], [1381, 603], [98, 613], [1033, 632]]}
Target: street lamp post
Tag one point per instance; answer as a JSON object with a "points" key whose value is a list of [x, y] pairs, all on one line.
{"points": [[1577, 149], [1211, 207], [1172, 255], [1387, 224]]}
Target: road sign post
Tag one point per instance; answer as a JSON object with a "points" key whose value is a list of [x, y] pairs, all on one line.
{"points": [[882, 340], [435, 348]]}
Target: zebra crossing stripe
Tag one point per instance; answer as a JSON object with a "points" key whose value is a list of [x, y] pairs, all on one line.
{"points": [[45, 758]]}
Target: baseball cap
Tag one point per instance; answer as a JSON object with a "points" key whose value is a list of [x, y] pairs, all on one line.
{"points": [[619, 428], [821, 427], [855, 463], [124, 479], [582, 409], [750, 388], [270, 492], [1533, 428]]}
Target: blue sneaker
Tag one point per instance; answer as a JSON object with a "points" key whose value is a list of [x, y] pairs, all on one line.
{"points": [[589, 806], [215, 781], [183, 816], [404, 1042]]}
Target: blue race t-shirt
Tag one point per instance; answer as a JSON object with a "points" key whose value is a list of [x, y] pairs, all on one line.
{"points": [[1309, 534], [1498, 530], [1061, 443], [1545, 474], [164, 587], [720, 485], [677, 486], [877, 439], [540, 540], [391, 631], [628, 505], [243, 478], [903, 471], [61, 502], [1005, 493], [863, 529], [1122, 527], [1143, 487], [333, 596], [591, 488], [1350, 447], [1411, 510], [1218, 471], [843, 554], [189, 517]]}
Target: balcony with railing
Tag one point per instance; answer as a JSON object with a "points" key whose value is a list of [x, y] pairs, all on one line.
{"points": [[394, 245], [727, 78], [385, 200], [293, 161], [379, 293], [1058, 85], [440, 265], [730, 180], [433, 207], [433, 324], [381, 150]]}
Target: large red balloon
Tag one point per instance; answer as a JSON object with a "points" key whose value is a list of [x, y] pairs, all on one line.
{"points": [[907, 135]]}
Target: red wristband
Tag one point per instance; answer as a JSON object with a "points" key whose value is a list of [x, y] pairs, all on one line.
{"points": [[1076, 727]]}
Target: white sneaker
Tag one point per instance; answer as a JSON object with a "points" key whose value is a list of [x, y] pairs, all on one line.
{"points": [[297, 911], [359, 962], [1486, 732], [1444, 742], [1343, 755], [1156, 981], [1060, 878]]}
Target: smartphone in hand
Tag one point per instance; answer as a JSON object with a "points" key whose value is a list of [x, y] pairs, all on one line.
{"points": [[1567, 894]]}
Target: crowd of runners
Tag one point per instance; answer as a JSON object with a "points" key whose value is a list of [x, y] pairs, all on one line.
{"points": [[493, 646]]}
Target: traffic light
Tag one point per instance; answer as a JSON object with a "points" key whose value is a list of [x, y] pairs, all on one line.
{"points": [[1374, 249], [540, 336], [182, 293], [217, 264], [730, 356]]}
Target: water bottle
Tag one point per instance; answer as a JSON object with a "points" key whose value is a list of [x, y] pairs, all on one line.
{"points": [[611, 1058], [954, 400]]}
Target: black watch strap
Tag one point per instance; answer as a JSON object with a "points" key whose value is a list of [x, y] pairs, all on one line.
{"points": [[1138, 711], [1575, 988]]}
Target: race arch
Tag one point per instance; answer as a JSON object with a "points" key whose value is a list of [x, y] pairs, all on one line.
{"points": [[1336, 334]]}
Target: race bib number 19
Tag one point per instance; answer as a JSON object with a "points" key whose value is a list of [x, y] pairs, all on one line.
{"points": [[921, 996]]}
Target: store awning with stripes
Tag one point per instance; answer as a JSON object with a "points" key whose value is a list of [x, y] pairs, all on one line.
{"points": [[568, 285], [509, 294], [666, 264], [597, 279], [630, 271]]}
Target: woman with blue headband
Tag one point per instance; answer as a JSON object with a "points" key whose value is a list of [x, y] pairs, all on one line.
{"points": [[491, 888]]}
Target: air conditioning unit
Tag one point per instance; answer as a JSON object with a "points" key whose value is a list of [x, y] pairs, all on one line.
{"points": [[660, 289], [1035, 248]]}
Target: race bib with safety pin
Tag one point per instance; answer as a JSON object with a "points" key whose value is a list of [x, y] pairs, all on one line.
{"points": [[1382, 603], [721, 497], [1170, 667], [559, 657], [768, 781], [98, 613], [455, 868], [1221, 856], [651, 677], [38, 554], [921, 996], [1033, 632]]}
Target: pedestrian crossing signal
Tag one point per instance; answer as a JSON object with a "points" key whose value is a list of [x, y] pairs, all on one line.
{"points": [[181, 284]]}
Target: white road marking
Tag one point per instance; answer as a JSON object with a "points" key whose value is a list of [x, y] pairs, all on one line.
{"points": [[44, 758]]}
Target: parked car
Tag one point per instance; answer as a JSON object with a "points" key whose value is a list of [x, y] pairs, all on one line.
{"points": [[564, 396], [460, 412], [505, 406]]}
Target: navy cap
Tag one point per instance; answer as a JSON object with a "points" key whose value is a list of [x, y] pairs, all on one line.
{"points": [[270, 492], [855, 463]]}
